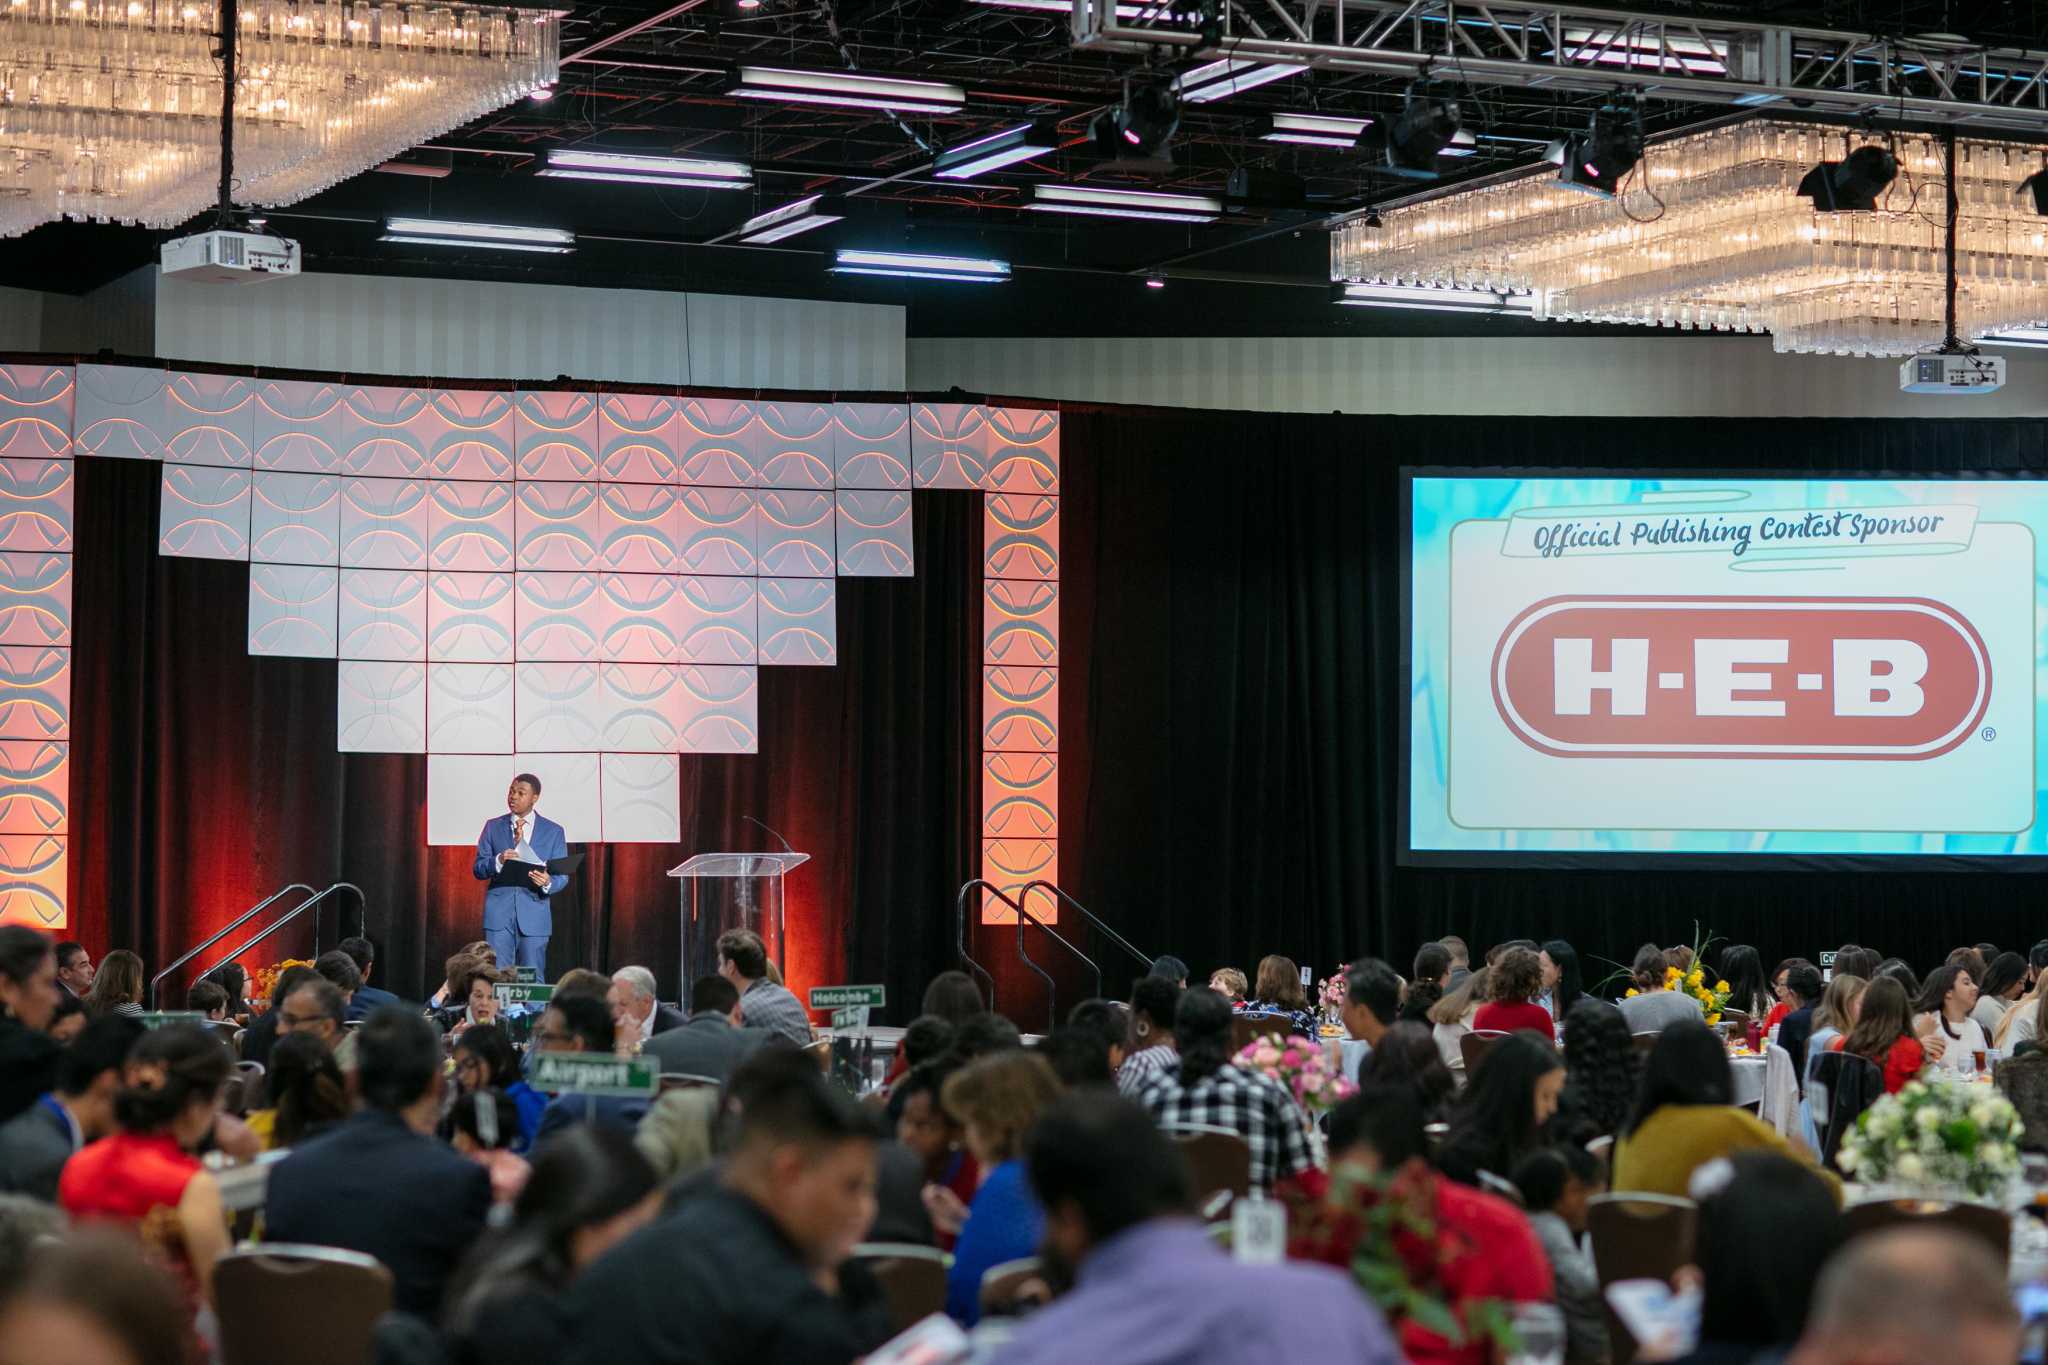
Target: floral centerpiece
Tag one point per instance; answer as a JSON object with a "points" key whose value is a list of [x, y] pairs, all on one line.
{"points": [[1331, 990], [1939, 1135], [1302, 1068], [263, 982], [1692, 981]]}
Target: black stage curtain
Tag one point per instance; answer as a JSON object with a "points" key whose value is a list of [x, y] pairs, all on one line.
{"points": [[202, 779], [1232, 694]]}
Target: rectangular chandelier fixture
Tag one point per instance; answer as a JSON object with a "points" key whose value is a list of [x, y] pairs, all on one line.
{"points": [[491, 236], [912, 265], [1089, 201], [847, 89], [682, 172]]}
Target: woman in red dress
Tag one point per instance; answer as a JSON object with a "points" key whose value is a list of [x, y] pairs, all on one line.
{"points": [[144, 1174]]}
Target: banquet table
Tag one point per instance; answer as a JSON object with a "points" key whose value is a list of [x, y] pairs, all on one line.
{"points": [[1748, 1073]]}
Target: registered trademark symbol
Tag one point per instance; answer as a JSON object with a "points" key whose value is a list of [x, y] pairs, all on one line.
{"points": [[1990, 733]]}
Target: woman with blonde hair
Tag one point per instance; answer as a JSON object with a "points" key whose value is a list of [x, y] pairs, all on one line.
{"points": [[1277, 990], [1451, 1017], [1229, 983], [995, 1099], [1836, 1013], [2023, 1022]]}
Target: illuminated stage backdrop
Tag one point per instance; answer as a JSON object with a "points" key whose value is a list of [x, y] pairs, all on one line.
{"points": [[581, 581]]}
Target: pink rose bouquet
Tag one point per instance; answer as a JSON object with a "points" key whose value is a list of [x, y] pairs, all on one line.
{"points": [[1330, 990], [1302, 1067]]}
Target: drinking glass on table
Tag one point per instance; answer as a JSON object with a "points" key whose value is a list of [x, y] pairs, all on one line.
{"points": [[1539, 1335]]}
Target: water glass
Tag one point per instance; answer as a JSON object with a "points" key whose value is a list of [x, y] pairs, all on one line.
{"points": [[1539, 1335]]}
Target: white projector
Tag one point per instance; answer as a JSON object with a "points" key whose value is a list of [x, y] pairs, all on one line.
{"points": [[230, 257], [1949, 373]]}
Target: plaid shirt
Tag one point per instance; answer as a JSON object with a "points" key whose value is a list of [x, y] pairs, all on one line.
{"points": [[1143, 1067], [1250, 1104], [769, 1006]]}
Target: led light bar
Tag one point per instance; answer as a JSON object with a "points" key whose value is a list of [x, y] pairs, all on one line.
{"points": [[1067, 7], [847, 89], [994, 151], [1432, 298], [1229, 76], [1316, 130], [1089, 201], [797, 216], [1463, 143], [911, 265], [492, 236], [1607, 47], [681, 171], [2018, 336]]}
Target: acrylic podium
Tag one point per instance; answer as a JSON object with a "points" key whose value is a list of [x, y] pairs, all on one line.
{"points": [[722, 891]]}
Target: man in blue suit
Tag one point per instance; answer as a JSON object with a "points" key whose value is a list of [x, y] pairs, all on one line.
{"points": [[517, 919]]}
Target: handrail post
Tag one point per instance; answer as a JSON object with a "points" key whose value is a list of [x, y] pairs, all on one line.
{"points": [[1024, 914], [960, 924]]}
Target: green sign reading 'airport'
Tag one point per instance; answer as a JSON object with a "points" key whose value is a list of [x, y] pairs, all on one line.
{"points": [[837, 997], [594, 1073]]}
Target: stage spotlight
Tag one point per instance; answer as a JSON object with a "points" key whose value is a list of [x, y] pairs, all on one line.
{"points": [[2037, 184], [1142, 123], [1851, 184], [1597, 160], [1426, 126]]}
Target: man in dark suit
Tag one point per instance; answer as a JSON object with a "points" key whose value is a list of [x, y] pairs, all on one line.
{"points": [[367, 997], [74, 969], [517, 919], [712, 1043], [379, 1183], [582, 1023], [35, 1144], [636, 1014]]}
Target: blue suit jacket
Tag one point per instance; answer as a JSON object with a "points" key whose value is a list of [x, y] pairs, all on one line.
{"points": [[520, 907]]}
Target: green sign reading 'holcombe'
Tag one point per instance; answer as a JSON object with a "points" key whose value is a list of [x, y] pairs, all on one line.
{"points": [[593, 1073], [837, 997]]}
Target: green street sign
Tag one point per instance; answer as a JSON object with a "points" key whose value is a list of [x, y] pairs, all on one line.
{"points": [[164, 1018], [837, 997], [853, 1016], [513, 993], [526, 975], [594, 1073]]}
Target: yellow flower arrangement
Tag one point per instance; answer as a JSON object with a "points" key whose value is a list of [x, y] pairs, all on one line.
{"points": [[1629, 994]]}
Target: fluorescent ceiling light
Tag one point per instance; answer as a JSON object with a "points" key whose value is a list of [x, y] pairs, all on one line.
{"points": [[914, 266], [1462, 143], [1067, 7], [1432, 299], [800, 215], [2018, 336], [846, 88], [1606, 47], [1230, 76], [682, 171], [1316, 130], [1089, 201], [994, 151], [494, 236]]}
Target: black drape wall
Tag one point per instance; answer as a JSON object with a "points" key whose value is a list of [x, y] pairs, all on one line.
{"points": [[1237, 685]]}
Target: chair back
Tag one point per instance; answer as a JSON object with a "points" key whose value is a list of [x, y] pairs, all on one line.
{"points": [[1981, 1222], [2024, 1081], [684, 1080], [1842, 1086], [1473, 1047], [1637, 1236], [322, 1300], [1644, 1042], [912, 1279], [1779, 1103], [234, 1095], [1007, 1288], [254, 1091], [1245, 1028], [240, 1035], [1216, 1161], [1502, 1186]]}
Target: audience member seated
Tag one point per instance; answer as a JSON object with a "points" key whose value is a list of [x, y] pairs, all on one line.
{"points": [[578, 1022], [1407, 1055], [1857, 960], [711, 1041], [764, 1004], [1372, 1002], [2022, 1023], [1766, 1227], [1562, 984], [1884, 1034], [1170, 968], [1834, 1016], [208, 999], [94, 1300], [1110, 1022], [1902, 972], [1500, 1117], [636, 1015], [1951, 1037], [981, 1034], [934, 1136], [1277, 990], [339, 970], [1077, 1056], [116, 986], [28, 998], [995, 1100], [1450, 1019], [451, 998], [74, 970], [1428, 979], [367, 997], [304, 1093], [1230, 983], [1784, 1005], [1686, 1117], [925, 1039], [1517, 978], [751, 1267], [1648, 1006], [144, 1176], [1205, 1087], [1803, 992], [1908, 1296], [262, 1032], [2005, 980], [506, 1306], [1748, 990], [1480, 1257], [1153, 1002], [231, 977], [1461, 960], [68, 1020], [1600, 1065], [953, 996], [483, 1126], [1142, 1283], [676, 1135], [480, 996], [1556, 1183], [484, 1060], [35, 1144], [317, 1008], [449, 994], [379, 1183]]}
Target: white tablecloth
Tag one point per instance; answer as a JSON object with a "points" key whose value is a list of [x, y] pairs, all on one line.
{"points": [[1749, 1079]]}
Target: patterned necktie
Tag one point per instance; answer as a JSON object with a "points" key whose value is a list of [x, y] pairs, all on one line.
{"points": [[518, 830]]}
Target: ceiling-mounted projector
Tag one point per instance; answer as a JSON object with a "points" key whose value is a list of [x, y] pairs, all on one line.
{"points": [[1952, 372], [224, 257]]}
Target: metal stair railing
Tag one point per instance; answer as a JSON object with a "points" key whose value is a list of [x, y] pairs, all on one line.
{"points": [[155, 982], [1051, 992], [362, 903], [1116, 939]]}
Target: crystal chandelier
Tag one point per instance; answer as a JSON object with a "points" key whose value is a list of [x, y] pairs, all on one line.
{"points": [[1709, 233], [110, 109]]}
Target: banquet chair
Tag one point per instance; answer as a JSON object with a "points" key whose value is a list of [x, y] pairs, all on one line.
{"points": [[1218, 1159], [254, 1090], [1473, 1047], [1779, 1105], [2024, 1081], [1644, 1042], [1979, 1222], [1841, 1086], [684, 1080], [1500, 1185], [322, 1300], [234, 1095], [1244, 1028], [912, 1278], [1637, 1236], [1011, 1287]]}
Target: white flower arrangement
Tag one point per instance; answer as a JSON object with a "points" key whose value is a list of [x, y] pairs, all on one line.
{"points": [[1942, 1135]]}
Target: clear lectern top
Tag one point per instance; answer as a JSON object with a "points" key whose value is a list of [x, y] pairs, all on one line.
{"points": [[723, 891]]}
